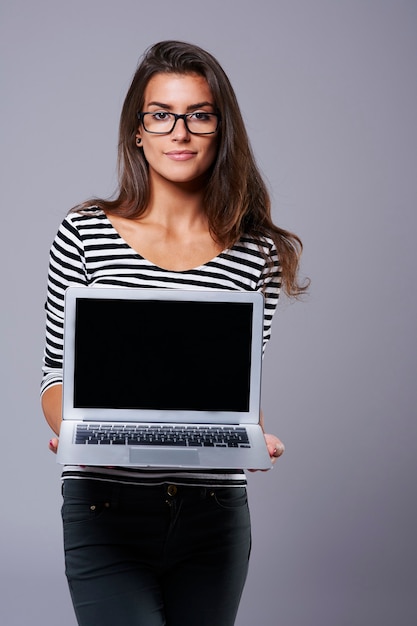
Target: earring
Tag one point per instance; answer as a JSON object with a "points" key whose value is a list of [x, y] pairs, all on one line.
{"points": [[138, 141]]}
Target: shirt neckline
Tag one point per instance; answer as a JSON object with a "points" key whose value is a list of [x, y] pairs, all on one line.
{"points": [[162, 269]]}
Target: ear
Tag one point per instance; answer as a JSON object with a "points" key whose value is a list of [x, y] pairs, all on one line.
{"points": [[138, 139]]}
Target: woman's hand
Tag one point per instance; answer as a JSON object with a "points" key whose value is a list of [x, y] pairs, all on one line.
{"points": [[53, 445], [275, 447]]}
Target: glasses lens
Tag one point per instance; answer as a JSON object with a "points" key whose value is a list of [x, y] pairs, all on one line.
{"points": [[159, 122], [163, 122], [202, 123]]}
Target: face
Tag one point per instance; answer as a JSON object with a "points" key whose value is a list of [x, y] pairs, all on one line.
{"points": [[179, 157]]}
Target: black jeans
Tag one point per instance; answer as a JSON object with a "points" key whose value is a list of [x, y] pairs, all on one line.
{"points": [[155, 556]]}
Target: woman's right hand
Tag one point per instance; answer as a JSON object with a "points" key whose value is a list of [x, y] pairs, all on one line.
{"points": [[52, 408], [53, 445]]}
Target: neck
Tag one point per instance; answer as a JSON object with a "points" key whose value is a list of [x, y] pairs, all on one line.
{"points": [[176, 203]]}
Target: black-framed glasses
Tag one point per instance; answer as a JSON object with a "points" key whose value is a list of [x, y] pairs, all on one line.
{"points": [[163, 123]]}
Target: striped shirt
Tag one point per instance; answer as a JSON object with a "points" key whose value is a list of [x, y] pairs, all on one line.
{"points": [[87, 250]]}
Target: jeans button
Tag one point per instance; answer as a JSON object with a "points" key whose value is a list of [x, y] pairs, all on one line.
{"points": [[172, 490]]}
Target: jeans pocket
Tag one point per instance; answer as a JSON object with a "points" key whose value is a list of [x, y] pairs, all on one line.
{"points": [[84, 501], [74, 510], [230, 497]]}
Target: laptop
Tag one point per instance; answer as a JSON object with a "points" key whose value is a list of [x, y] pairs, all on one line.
{"points": [[162, 378]]}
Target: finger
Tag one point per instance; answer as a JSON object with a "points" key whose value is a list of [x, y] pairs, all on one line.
{"points": [[275, 451], [278, 450], [53, 445]]}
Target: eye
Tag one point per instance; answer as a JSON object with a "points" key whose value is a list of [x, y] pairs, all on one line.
{"points": [[161, 116], [200, 116]]}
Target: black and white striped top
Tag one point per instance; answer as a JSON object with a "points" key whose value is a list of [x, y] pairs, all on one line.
{"points": [[87, 250]]}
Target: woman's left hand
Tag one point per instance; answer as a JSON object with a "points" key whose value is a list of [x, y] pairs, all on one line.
{"points": [[275, 447]]}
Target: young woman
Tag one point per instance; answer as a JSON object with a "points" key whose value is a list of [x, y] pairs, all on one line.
{"points": [[169, 547]]}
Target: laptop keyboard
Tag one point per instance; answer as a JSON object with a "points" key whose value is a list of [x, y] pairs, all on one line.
{"points": [[142, 435]]}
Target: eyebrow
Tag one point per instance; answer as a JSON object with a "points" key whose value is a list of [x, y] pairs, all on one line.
{"points": [[191, 107]]}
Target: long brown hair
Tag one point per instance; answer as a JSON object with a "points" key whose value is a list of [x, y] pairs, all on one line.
{"points": [[236, 200]]}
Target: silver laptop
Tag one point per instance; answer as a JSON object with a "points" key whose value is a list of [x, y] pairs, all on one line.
{"points": [[162, 378]]}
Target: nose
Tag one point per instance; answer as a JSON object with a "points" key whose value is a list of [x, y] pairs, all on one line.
{"points": [[180, 130]]}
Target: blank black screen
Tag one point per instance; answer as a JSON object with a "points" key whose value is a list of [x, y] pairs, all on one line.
{"points": [[162, 354]]}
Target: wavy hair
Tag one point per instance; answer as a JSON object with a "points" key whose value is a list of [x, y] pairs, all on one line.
{"points": [[236, 200]]}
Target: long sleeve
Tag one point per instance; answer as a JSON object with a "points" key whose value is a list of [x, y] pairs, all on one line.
{"points": [[66, 267], [270, 285]]}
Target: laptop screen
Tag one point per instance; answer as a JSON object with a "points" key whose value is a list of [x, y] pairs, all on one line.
{"points": [[162, 354]]}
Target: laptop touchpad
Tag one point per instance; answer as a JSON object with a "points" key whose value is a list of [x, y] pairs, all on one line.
{"points": [[167, 458]]}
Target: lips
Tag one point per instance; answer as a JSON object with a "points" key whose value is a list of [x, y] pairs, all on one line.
{"points": [[180, 155]]}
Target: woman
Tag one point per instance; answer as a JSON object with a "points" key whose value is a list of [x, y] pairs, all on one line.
{"points": [[171, 547]]}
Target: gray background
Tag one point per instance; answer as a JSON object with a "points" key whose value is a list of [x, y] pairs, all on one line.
{"points": [[328, 91]]}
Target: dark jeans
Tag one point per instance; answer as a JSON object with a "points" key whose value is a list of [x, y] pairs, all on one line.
{"points": [[155, 556]]}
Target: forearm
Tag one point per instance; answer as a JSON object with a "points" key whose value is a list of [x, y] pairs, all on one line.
{"points": [[261, 420], [52, 407]]}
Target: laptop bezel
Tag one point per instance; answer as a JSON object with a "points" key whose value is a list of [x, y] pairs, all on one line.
{"points": [[251, 416]]}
